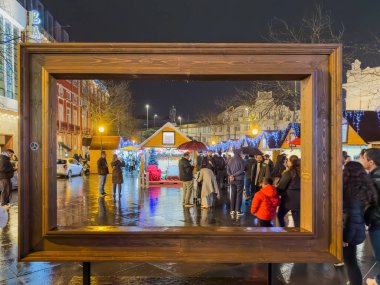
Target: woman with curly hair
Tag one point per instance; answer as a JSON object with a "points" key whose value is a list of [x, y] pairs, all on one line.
{"points": [[358, 194]]}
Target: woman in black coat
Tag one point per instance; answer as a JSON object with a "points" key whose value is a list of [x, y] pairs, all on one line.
{"points": [[358, 193], [289, 188], [117, 173], [279, 168]]}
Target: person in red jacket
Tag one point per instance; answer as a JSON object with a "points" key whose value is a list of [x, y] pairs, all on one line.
{"points": [[265, 203]]}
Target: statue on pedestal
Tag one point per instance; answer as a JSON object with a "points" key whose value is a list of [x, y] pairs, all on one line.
{"points": [[172, 115]]}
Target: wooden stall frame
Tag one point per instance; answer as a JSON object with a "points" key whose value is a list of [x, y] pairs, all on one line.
{"points": [[317, 66]]}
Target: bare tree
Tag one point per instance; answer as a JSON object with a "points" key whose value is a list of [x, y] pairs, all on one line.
{"points": [[315, 28], [211, 120], [112, 106]]}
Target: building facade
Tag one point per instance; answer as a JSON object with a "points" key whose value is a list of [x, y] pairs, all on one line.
{"points": [[74, 120], [12, 26], [362, 88], [237, 122], [20, 21], [29, 21]]}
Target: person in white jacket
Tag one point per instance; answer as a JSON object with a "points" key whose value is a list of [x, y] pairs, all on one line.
{"points": [[210, 189]]}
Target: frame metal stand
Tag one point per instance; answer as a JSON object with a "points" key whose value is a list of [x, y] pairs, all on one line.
{"points": [[86, 273], [269, 274]]}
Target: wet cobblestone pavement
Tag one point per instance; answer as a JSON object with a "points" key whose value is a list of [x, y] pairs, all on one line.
{"points": [[79, 204]]}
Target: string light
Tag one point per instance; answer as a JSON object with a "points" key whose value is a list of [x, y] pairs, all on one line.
{"points": [[128, 142]]}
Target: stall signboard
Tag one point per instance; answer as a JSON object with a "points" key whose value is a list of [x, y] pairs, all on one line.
{"points": [[168, 138]]}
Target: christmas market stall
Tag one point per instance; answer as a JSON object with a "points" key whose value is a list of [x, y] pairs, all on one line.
{"points": [[360, 129], [161, 154], [291, 143], [130, 151]]}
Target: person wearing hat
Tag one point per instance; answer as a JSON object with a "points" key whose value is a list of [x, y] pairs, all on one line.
{"points": [[6, 173], [186, 176]]}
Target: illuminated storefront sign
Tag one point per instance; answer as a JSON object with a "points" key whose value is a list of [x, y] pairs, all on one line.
{"points": [[35, 22]]}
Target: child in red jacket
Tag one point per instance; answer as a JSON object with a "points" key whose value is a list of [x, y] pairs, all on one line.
{"points": [[265, 203]]}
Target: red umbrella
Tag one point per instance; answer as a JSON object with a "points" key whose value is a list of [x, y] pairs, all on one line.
{"points": [[296, 141], [193, 145]]}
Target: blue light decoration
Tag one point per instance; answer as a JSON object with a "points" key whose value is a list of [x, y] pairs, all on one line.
{"points": [[127, 142], [274, 139], [101, 85], [8, 55], [356, 117]]}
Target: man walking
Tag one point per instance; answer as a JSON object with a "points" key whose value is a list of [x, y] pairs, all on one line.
{"points": [[102, 172], [186, 176], [6, 173], [371, 163], [235, 171]]}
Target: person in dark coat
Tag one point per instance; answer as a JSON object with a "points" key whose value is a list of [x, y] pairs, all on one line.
{"points": [[358, 193], [269, 162], [235, 171], [117, 174], [102, 172], [279, 168], [186, 176], [260, 171], [220, 168], [6, 173], [199, 160], [371, 162], [249, 167], [209, 161], [289, 188]]}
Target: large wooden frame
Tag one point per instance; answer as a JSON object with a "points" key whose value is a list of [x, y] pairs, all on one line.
{"points": [[317, 66]]}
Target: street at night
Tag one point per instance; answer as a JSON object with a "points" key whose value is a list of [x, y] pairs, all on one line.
{"points": [[79, 205], [190, 142]]}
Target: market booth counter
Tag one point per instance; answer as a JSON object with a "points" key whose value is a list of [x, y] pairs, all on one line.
{"points": [[161, 155], [107, 143]]}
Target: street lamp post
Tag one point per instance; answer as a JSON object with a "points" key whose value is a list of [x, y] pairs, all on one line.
{"points": [[154, 120], [147, 116], [180, 121], [101, 131]]}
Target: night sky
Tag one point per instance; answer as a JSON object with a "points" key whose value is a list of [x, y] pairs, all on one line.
{"points": [[198, 21]]}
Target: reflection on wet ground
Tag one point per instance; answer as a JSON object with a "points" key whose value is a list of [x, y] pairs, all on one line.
{"points": [[79, 204], [75, 204]]}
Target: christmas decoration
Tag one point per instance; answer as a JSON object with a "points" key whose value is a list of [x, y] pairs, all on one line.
{"points": [[153, 157]]}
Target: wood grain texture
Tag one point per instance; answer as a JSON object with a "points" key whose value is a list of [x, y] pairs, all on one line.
{"points": [[319, 66], [336, 199]]}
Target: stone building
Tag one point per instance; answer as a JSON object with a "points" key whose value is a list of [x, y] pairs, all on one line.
{"points": [[362, 88], [236, 122]]}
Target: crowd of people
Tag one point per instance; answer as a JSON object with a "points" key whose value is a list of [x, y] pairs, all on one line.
{"points": [[252, 178], [361, 208], [274, 190]]}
